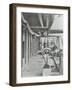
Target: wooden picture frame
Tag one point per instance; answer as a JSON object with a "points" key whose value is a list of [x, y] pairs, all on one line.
{"points": [[37, 19]]}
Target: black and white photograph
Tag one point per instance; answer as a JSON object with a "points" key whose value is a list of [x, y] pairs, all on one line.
{"points": [[40, 44]]}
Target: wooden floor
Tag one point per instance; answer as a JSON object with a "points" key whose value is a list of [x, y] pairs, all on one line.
{"points": [[35, 67]]}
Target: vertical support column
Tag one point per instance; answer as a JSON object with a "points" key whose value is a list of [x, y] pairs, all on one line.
{"points": [[36, 45], [39, 43], [31, 45], [33, 49], [28, 46], [58, 42], [26, 58], [23, 46], [61, 42]]}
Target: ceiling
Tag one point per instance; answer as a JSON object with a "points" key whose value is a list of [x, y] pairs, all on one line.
{"points": [[51, 21]]}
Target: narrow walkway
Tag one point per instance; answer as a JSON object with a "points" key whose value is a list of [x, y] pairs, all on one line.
{"points": [[35, 67]]}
